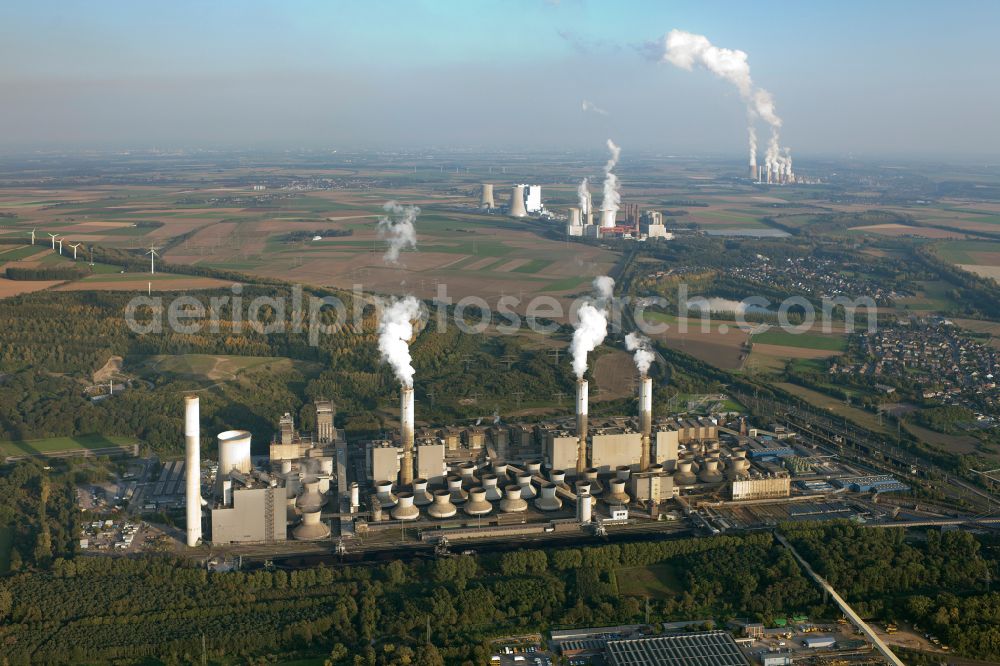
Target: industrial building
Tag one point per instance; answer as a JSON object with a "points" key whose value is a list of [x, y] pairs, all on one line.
{"points": [[710, 648]]}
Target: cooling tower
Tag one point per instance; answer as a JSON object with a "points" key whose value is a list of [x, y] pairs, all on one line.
{"points": [[404, 509], [535, 467], [291, 513], [442, 506], [490, 486], [581, 426], [738, 464], [583, 507], [710, 472], [558, 477], [524, 481], [590, 475], [286, 466], [467, 470], [383, 490], [458, 495], [623, 472], [355, 496], [684, 476], [645, 420], [500, 469], [609, 218], [406, 435], [753, 171], [420, 495], [517, 202], [617, 494], [548, 501], [311, 529], [574, 217], [311, 499], [477, 504], [234, 452], [486, 200], [512, 501], [192, 469]]}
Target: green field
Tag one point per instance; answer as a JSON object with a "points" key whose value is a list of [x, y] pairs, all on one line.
{"points": [[59, 444], [820, 341], [656, 580], [21, 252], [957, 251]]}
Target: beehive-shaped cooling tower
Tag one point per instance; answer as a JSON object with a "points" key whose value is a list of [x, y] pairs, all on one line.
{"points": [[512, 502], [458, 495], [311, 529], [548, 501], [442, 507], [404, 509], [477, 504]]}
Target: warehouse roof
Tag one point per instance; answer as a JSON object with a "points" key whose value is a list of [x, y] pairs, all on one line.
{"points": [[708, 648]]}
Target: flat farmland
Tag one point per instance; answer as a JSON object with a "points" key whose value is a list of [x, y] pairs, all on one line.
{"points": [[54, 445], [10, 288]]}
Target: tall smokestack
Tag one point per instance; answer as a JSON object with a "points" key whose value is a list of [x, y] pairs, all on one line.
{"points": [[581, 426], [645, 419], [406, 423], [192, 468]]}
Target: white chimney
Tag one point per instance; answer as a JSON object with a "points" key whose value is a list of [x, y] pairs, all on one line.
{"points": [[645, 420], [406, 425], [581, 426], [192, 468]]}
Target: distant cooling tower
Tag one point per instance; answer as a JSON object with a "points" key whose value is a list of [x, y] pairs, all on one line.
{"points": [[486, 200], [192, 468], [517, 208], [753, 171], [609, 218], [234, 452], [574, 217]]}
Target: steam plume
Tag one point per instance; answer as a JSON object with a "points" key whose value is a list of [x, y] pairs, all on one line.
{"points": [[397, 229], [593, 325], [395, 330], [587, 105], [685, 50], [612, 198], [581, 194], [643, 356]]}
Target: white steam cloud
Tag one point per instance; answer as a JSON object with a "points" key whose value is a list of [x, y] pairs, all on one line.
{"points": [[612, 198], [583, 196], [592, 326], [395, 330], [686, 50], [642, 354], [398, 229], [587, 105]]}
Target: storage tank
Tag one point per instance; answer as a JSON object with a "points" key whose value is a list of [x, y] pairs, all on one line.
{"points": [[490, 486], [617, 494], [383, 490], [405, 510], [524, 481], [512, 501], [442, 507], [420, 495], [234, 452], [547, 500], [312, 528], [477, 504], [458, 495], [710, 472]]}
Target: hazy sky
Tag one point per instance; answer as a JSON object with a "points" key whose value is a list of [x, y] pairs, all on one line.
{"points": [[869, 78]]}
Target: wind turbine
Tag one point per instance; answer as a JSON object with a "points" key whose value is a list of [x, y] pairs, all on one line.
{"points": [[152, 259], [60, 245], [74, 249], [33, 236], [53, 237]]}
